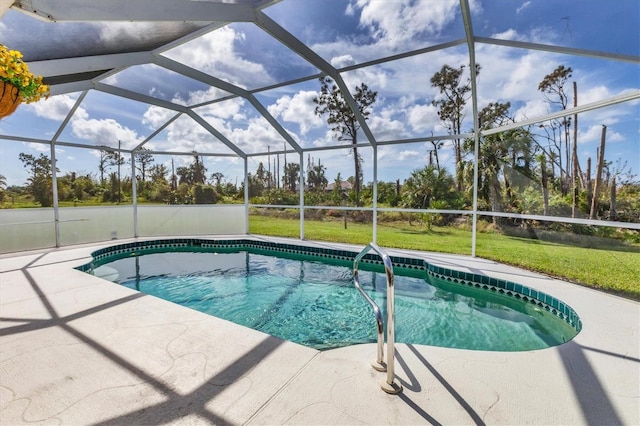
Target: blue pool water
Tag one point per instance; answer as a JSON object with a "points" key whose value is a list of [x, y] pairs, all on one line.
{"points": [[316, 304]]}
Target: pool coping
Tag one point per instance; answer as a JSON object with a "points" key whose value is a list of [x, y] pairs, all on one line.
{"points": [[485, 282], [54, 314]]}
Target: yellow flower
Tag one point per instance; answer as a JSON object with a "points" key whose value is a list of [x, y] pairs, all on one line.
{"points": [[16, 72]]}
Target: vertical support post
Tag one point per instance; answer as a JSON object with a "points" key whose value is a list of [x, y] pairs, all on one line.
{"points": [[246, 195], [468, 27], [375, 194], [134, 194], [54, 189], [301, 195]]}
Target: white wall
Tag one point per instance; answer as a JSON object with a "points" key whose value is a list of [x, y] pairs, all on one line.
{"points": [[191, 220], [27, 229]]}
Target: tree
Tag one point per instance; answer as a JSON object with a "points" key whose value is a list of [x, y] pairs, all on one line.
{"points": [[192, 174], [40, 181], [115, 158], [316, 177], [263, 175], [158, 173], [143, 160], [3, 186], [103, 163], [204, 194], [184, 175], [427, 185], [343, 119], [256, 186], [553, 88], [198, 170], [291, 176], [503, 156], [450, 108], [217, 178]]}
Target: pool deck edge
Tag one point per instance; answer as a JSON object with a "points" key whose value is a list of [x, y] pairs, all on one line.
{"points": [[75, 349]]}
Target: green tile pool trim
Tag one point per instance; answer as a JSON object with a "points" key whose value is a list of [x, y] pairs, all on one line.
{"points": [[484, 282]]}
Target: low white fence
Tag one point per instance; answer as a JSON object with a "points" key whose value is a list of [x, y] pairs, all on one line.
{"points": [[28, 229]]}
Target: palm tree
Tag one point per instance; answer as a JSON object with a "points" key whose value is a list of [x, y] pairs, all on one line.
{"points": [[316, 178], [426, 186], [291, 176]]}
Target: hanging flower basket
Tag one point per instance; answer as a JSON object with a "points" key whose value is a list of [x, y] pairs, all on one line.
{"points": [[17, 84], [10, 98]]}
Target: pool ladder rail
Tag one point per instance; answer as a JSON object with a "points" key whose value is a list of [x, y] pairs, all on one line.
{"points": [[389, 386]]}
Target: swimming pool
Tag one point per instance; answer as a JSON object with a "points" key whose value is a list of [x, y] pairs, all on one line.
{"points": [[307, 295]]}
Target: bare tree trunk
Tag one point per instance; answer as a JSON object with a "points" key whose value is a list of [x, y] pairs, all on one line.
{"points": [[588, 185], [561, 167], [574, 155], [545, 188], [357, 170], [596, 189], [575, 137], [435, 152], [567, 142], [458, 155], [612, 209]]}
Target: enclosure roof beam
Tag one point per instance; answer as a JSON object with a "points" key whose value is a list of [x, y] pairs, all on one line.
{"points": [[70, 114], [128, 94], [136, 10], [559, 49], [87, 64], [228, 87], [157, 132], [626, 97], [286, 38], [216, 133], [171, 106]]}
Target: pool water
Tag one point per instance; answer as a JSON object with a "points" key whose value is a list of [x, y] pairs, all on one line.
{"points": [[316, 304]]}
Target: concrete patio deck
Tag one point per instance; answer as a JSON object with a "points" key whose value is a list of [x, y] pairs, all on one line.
{"points": [[75, 349]]}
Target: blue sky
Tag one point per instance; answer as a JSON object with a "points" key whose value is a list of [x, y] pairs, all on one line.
{"points": [[346, 33]]}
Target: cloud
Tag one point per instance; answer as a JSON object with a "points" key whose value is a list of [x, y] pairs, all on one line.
{"points": [[594, 93], [258, 135], [199, 96], [215, 53], [594, 133], [186, 135], [155, 116], [39, 147], [54, 108], [233, 109], [298, 109], [524, 5], [386, 128], [104, 132], [531, 109], [509, 34], [399, 21], [423, 117]]}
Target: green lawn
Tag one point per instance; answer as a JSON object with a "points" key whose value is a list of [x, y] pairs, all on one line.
{"points": [[606, 264]]}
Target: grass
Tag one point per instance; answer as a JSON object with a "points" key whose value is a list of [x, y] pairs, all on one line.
{"points": [[601, 263]]}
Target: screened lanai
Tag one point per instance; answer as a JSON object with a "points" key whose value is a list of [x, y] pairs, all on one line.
{"points": [[490, 147], [485, 114]]}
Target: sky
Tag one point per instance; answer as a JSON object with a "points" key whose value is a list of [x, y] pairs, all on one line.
{"points": [[344, 32]]}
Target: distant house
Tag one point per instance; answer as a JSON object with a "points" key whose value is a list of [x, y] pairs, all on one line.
{"points": [[344, 186]]}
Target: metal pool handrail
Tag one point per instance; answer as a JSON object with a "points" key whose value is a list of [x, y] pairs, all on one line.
{"points": [[389, 386]]}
